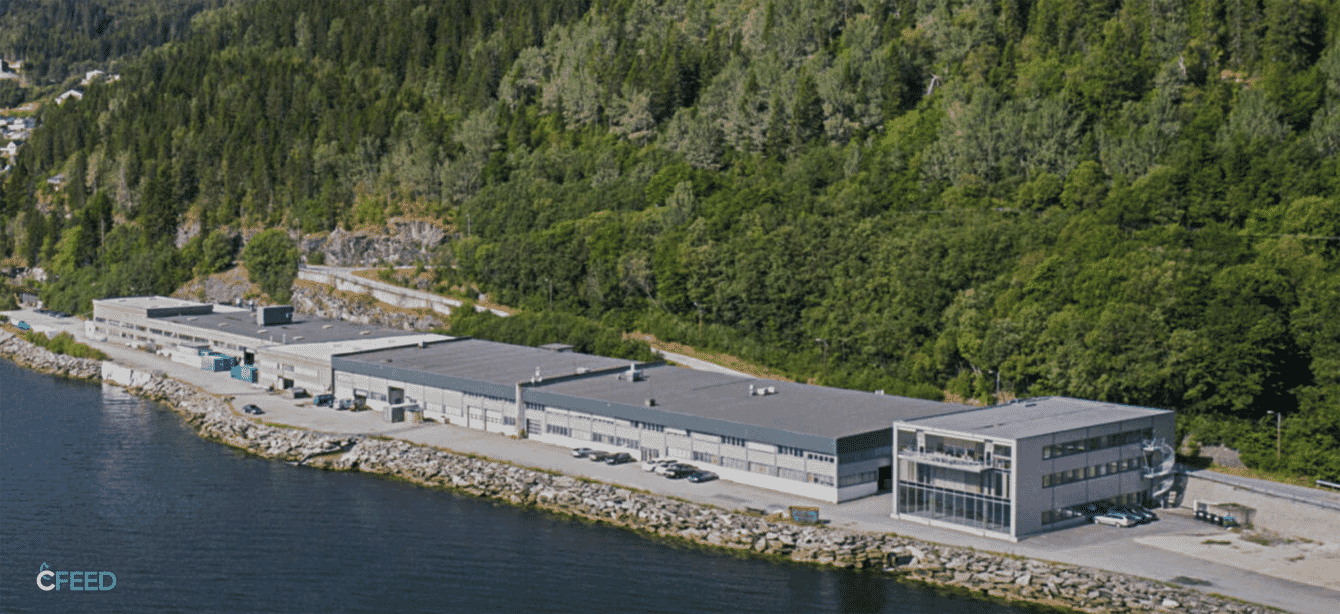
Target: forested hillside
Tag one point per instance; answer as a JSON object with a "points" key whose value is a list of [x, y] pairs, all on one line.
{"points": [[1127, 201], [59, 39]]}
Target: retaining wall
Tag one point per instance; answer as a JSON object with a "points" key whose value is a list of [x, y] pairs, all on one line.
{"points": [[1272, 512]]}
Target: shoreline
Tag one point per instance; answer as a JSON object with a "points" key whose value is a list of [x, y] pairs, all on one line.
{"points": [[1029, 583]]}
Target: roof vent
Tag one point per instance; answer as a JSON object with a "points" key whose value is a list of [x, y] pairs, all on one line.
{"points": [[386, 360], [1029, 404], [632, 374], [537, 378], [880, 391], [192, 319], [422, 344], [260, 331], [651, 402], [581, 370], [365, 332], [327, 326], [297, 338]]}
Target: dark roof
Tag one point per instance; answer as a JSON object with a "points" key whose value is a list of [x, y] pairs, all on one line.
{"points": [[688, 397], [301, 330], [1040, 416], [464, 364]]}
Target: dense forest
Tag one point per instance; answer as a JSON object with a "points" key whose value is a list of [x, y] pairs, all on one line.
{"points": [[60, 39], [1127, 201]]}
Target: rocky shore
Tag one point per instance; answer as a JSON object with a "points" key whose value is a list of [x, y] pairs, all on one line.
{"points": [[41, 359], [984, 574]]}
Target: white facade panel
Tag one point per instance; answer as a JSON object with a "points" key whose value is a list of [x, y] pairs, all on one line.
{"points": [[761, 447]]}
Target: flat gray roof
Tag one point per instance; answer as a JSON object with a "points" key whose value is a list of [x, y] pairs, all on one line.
{"points": [[463, 364], [303, 329], [722, 404], [1033, 417]]}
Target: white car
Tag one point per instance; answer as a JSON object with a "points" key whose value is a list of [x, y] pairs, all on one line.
{"points": [[651, 465], [1116, 520], [581, 452]]}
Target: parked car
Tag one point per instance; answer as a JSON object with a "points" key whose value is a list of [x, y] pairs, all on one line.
{"points": [[1135, 519], [598, 455], [581, 452], [619, 459], [344, 404], [651, 465], [702, 476], [665, 468], [1115, 519], [251, 409], [676, 471], [298, 393], [1142, 515], [1089, 510], [323, 400], [681, 471]]}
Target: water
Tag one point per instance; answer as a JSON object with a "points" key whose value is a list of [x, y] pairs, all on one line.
{"points": [[96, 480]]}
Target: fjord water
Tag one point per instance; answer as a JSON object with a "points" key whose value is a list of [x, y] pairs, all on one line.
{"points": [[97, 480]]}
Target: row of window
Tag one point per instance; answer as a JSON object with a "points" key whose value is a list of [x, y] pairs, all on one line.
{"points": [[733, 441], [865, 455], [822, 458], [1093, 471], [858, 478], [789, 451], [967, 509], [616, 441], [764, 469], [1081, 446], [1074, 511], [647, 426]]}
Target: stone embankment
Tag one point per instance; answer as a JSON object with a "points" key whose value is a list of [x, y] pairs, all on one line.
{"points": [[986, 574], [312, 299], [41, 359]]}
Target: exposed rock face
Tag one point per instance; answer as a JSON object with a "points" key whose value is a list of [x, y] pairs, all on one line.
{"points": [[327, 303], [403, 242], [46, 361]]}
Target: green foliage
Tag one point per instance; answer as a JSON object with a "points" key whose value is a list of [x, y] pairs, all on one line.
{"points": [[1130, 201], [63, 343], [272, 263], [535, 329]]}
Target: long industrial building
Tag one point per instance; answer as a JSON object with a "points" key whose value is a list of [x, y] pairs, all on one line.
{"points": [[1005, 471]]}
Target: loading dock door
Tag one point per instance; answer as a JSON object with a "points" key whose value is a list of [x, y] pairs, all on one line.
{"points": [[886, 479], [395, 396]]}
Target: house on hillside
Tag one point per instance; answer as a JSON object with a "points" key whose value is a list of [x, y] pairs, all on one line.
{"points": [[76, 94], [11, 150]]}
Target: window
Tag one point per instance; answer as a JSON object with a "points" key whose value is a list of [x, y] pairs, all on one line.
{"points": [[762, 468], [858, 478], [534, 406], [734, 463], [823, 458], [705, 457], [822, 480], [557, 430], [792, 474], [733, 441], [647, 426], [509, 421], [790, 451]]}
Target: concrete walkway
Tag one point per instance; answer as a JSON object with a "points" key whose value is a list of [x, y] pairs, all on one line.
{"points": [[1127, 551]]}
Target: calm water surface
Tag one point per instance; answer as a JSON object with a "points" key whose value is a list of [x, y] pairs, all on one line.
{"points": [[96, 480]]}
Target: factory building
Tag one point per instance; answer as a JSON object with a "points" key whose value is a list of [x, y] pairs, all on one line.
{"points": [[287, 352], [823, 443], [1006, 471], [1030, 466]]}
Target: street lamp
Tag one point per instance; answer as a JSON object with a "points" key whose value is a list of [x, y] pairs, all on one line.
{"points": [[1279, 437]]}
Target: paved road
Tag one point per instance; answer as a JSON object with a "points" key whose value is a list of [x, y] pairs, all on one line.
{"points": [[1103, 547]]}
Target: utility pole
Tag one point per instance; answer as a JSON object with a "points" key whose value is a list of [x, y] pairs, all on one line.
{"points": [[700, 320], [1279, 433], [551, 293], [825, 343]]}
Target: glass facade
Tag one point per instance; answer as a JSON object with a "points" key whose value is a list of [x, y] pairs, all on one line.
{"points": [[968, 509]]}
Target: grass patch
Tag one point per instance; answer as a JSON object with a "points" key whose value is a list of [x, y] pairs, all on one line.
{"points": [[63, 343], [1216, 542], [1184, 580], [280, 425], [1273, 476]]}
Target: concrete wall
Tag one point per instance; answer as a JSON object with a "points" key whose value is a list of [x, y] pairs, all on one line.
{"points": [[393, 295], [1274, 513]]}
